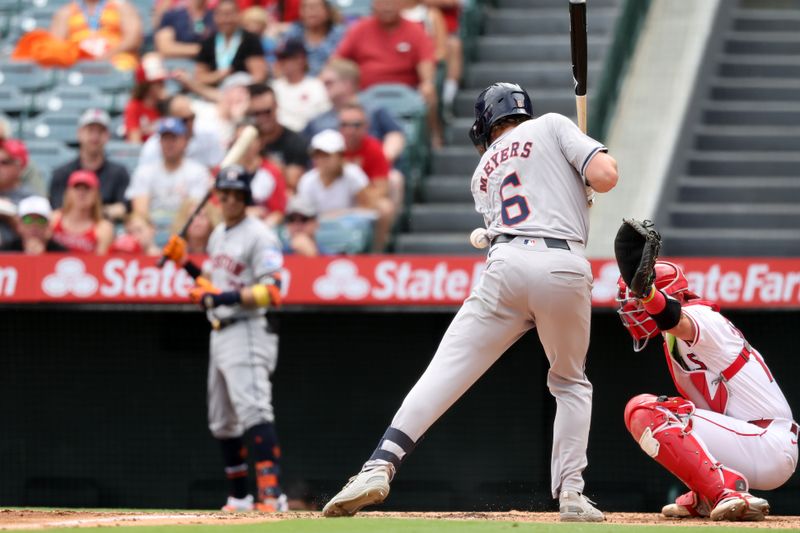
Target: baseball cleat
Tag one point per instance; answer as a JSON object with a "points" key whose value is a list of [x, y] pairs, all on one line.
{"points": [[575, 507], [239, 505], [273, 505], [740, 506], [368, 487], [688, 505]]}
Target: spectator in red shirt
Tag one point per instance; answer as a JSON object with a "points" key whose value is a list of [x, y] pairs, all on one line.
{"points": [[367, 152], [391, 49], [141, 112], [267, 186], [79, 225]]}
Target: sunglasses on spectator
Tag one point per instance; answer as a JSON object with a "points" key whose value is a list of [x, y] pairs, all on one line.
{"points": [[7, 162], [265, 111], [351, 124], [291, 219], [34, 219]]}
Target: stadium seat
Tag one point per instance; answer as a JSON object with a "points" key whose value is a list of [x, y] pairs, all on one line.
{"points": [[34, 18], [99, 74], [71, 99], [59, 126], [9, 7], [353, 9], [48, 154], [118, 128], [119, 102], [401, 100], [27, 76], [49, 4], [12, 101], [346, 234]]}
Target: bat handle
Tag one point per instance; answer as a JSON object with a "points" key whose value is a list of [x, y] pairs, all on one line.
{"points": [[161, 261]]}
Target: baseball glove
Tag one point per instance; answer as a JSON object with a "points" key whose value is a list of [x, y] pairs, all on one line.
{"points": [[636, 247]]}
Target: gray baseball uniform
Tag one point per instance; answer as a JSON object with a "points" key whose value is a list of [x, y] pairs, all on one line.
{"points": [[243, 354], [529, 186]]}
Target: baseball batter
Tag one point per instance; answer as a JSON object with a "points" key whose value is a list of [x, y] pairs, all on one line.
{"points": [[529, 186], [731, 428], [243, 281]]}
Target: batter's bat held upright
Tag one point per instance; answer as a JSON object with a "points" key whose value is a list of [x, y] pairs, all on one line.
{"points": [[580, 63], [248, 135], [580, 67]]}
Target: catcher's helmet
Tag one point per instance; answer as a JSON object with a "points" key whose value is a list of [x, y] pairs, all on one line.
{"points": [[498, 101], [234, 178], [670, 279]]}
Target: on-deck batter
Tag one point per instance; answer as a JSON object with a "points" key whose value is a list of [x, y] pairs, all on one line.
{"points": [[731, 428], [244, 279], [529, 187]]}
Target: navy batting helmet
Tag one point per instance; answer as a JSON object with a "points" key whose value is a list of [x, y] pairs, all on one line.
{"points": [[234, 178], [496, 102]]}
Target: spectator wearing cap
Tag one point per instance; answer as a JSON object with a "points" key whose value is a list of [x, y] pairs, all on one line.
{"points": [[366, 152], [205, 144], [33, 231], [182, 29], [301, 96], [341, 80], [320, 29], [13, 160], [287, 149], [229, 49], [104, 29], [301, 229], [391, 49], [267, 186], [93, 135], [31, 177], [159, 189], [333, 186], [141, 111], [79, 225]]}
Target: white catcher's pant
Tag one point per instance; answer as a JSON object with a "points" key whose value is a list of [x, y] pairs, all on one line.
{"points": [[767, 457], [523, 285], [242, 358]]}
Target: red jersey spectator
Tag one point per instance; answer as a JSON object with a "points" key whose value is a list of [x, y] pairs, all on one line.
{"points": [[390, 49], [141, 112], [268, 187], [80, 226], [139, 237], [367, 152]]}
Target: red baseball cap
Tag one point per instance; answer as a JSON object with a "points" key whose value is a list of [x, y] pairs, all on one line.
{"points": [[16, 150], [83, 177]]}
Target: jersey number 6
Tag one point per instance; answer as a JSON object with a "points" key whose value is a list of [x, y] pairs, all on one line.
{"points": [[515, 208]]}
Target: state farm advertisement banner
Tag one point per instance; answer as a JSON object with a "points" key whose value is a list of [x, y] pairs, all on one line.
{"points": [[391, 280]]}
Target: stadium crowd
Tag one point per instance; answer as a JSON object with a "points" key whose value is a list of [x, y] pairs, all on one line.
{"points": [[340, 100]]}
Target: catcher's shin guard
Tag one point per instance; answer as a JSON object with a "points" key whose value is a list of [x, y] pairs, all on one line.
{"points": [[662, 428]]}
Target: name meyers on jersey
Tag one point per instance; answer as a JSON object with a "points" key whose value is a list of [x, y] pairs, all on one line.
{"points": [[502, 156]]}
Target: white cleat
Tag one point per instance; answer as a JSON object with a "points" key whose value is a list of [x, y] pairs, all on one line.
{"points": [[740, 506], [368, 487], [688, 505], [575, 507], [239, 505]]}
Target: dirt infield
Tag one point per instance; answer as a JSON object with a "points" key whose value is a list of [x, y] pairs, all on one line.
{"points": [[18, 519]]}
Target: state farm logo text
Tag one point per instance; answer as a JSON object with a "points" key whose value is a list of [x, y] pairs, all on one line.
{"points": [[397, 280], [756, 284]]}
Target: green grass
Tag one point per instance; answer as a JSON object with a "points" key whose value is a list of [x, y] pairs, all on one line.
{"points": [[393, 525]]}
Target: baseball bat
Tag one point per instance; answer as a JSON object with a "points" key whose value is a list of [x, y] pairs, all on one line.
{"points": [[235, 153], [580, 63], [580, 67]]}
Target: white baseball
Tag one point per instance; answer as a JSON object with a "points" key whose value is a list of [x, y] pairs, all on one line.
{"points": [[478, 238]]}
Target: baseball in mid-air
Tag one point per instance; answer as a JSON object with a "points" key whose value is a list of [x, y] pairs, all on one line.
{"points": [[478, 238]]}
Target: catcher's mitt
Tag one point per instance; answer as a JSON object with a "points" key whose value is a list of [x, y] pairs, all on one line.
{"points": [[636, 247]]}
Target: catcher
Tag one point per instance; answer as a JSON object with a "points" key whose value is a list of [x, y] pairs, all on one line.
{"points": [[730, 429]]}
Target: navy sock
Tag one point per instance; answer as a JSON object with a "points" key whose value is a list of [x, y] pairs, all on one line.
{"points": [[234, 455], [266, 453], [393, 447]]}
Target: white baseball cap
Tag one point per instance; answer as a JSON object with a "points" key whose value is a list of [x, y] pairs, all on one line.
{"points": [[35, 205], [328, 141], [94, 116]]}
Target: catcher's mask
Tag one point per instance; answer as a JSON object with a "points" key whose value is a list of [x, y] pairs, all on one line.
{"points": [[670, 279], [496, 102]]}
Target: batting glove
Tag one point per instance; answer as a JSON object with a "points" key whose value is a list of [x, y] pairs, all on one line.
{"points": [[175, 249]]}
